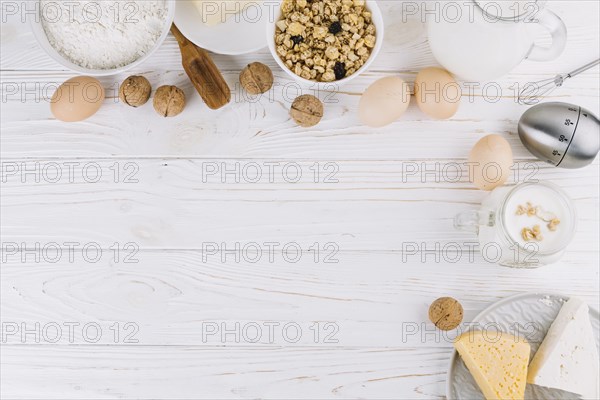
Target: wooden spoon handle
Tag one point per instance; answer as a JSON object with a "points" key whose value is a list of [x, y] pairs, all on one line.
{"points": [[203, 72]]}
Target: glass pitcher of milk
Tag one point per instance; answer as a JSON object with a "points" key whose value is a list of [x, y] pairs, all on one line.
{"points": [[481, 40], [527, 225]]}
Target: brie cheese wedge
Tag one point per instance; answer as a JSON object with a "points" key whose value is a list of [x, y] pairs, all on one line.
{"points": [[214, 12], [568, 357]]}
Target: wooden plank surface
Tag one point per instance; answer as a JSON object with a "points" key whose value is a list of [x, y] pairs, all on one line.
{"points": [[184, 372], [164, 224], [183, 203], [180, 297]]}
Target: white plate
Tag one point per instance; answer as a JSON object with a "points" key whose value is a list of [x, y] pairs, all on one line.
{"points": [[241, 33], [528, 314]]}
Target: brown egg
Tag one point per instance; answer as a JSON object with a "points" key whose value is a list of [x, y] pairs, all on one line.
{"points": [[384, 102], [490, 161], [437, 93], [77, 99]]}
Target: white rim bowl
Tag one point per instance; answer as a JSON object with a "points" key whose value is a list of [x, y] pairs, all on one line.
{"points": [[238, 34], [42, 39], [379, 32]]}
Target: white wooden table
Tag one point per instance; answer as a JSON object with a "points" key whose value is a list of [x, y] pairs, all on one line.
{"points": [[169, 209]]}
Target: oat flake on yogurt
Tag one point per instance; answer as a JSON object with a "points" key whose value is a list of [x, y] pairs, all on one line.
{"points": [[103, 34]]}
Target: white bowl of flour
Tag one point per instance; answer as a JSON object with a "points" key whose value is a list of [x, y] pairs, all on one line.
{"points": [[99, 37]]}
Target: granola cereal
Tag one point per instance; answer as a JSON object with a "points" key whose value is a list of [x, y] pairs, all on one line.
{"points": [[536, 211], [552, 225], [534, 233], [324, 40]]}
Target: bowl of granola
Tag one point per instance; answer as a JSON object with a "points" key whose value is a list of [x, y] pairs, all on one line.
{"points": [[321, 43]]}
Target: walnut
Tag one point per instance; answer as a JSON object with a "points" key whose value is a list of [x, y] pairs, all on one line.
{"points": [[307, 110], [256, 78], [446, 313], [135, 91], [169, 101]]}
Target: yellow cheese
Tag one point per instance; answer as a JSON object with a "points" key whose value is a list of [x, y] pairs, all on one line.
{"points": [[498, 362]]}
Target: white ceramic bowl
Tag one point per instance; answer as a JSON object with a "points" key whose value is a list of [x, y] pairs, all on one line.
{"points": [[379, 28], [242, 33], [40, 35]]}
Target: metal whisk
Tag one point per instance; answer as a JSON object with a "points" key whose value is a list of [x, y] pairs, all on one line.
{"points": [[533, 91]]}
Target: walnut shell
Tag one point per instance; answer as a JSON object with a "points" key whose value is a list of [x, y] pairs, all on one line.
{"points": [[135, 91], [256, 78], [446, 313], [307, 110], [169, 101]]}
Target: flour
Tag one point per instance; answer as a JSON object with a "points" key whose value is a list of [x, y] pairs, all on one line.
{"points": [[103, 34]]}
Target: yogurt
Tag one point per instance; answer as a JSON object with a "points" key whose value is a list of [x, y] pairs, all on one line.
{"points": [[503, 217], [549, 207]]}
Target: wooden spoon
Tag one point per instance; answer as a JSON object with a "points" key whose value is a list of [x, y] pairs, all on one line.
{"points": [[203, 72]]}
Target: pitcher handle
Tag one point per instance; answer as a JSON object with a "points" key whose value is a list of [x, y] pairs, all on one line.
{"points": [[471, 220], [558, 30]]}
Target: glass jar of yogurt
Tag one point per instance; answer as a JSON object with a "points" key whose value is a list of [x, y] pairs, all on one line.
{"points": [[526, 225]]}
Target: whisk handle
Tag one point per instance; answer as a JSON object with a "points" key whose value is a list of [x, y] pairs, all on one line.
{"points": [[584, 68]]}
